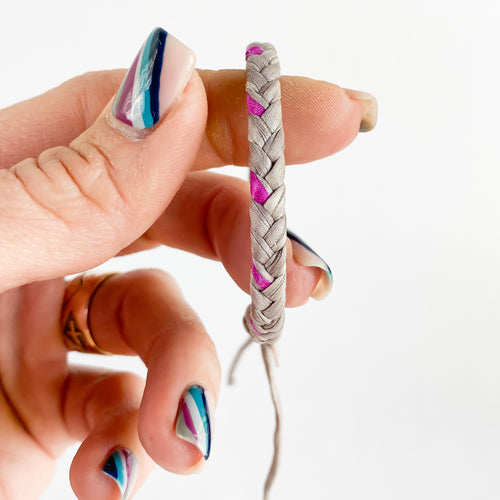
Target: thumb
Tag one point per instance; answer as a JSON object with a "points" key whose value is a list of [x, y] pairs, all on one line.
{"points": [[74, 207]]}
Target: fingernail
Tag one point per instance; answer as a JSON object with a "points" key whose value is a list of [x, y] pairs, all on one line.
{"points": [[158, 74], [306, 256], [193, 419], [122, 466], [370, 108]]}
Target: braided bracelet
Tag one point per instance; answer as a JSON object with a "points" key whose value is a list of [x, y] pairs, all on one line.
{"points": [[265, 317]]}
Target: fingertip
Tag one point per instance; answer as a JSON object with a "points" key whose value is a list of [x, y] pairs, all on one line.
{"points": [[319, 118], [110, 463], [121, 466], [301, 281], [369, 108], [308, 274], [176, 418], [194, 419]]}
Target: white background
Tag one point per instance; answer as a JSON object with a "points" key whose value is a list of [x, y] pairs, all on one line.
{"points": [[391, 387]]}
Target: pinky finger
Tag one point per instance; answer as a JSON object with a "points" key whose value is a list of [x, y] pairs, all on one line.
{"points": [[102, 409]]}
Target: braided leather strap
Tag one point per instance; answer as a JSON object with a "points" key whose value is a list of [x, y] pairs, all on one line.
{"points": [[265, 317]]}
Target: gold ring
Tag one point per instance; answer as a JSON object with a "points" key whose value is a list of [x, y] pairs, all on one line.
{"points": [[75, 324]]}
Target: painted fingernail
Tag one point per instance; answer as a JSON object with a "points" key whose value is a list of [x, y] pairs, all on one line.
{"points": [[306, 256], [158, 74], [193, 419], [122, 466], [370, 108]]}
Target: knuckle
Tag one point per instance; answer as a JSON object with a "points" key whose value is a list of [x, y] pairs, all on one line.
{"points": [[74, 186], [82, 181], [149, 277], [221, 132], [226, 208], [123, 383]]}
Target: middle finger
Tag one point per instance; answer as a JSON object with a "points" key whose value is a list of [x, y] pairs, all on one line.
{"points": [[209, 217]]}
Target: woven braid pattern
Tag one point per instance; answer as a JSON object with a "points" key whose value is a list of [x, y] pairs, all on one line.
{"points": [[264, 318]]}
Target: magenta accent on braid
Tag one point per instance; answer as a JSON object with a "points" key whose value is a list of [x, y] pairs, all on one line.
{"points": [[254, 49], [261, 281], [257, 190], [255, 329], [254, 107]]}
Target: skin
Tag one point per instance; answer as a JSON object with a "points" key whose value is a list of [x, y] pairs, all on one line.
{"points": [[65, 187]]}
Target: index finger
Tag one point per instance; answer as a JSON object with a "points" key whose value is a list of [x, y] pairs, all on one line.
{"points": [[320, 118]]}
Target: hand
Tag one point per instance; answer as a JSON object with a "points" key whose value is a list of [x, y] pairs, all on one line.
{"points": [[96, 190]]}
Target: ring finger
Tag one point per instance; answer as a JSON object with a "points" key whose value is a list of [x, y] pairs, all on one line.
{"points": [[144, 313]]}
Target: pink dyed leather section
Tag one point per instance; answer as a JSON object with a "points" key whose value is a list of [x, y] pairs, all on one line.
{"points": [[257, 190], [254, 49], [255, 329], [260, 280], [254, 107]]}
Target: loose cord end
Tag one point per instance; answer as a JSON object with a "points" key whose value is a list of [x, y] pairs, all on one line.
{"points": [[270, 362], [236, 360]]}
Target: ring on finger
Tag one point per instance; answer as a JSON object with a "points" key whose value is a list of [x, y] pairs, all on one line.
{"points": [[75, 325]]}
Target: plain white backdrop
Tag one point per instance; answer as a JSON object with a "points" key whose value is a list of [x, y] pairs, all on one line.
{"points": [[395, 394]]}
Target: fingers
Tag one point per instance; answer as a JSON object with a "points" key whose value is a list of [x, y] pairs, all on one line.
{"points": [[215, 209], [101, 409], [144, 312], [141, 312], [112, 182], [70, 109], [319, 118]]}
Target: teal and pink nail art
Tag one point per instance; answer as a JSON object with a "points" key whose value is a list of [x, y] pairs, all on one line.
{"points": [[306, 256], [193, 419], [159, 72], [122, 466]]}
